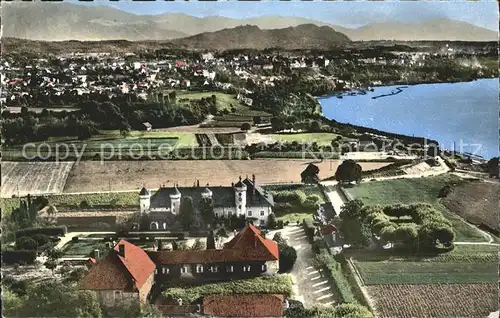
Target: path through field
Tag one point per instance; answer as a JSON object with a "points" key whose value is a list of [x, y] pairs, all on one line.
{"points": [[22, 178]]}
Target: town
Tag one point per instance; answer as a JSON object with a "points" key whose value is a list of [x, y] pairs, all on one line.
{"points": [[173, 178]]}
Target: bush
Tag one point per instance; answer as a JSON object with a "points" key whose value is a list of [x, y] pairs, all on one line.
{"points": [[50, 231], [309, 228], [74, 239], [25, 256], [26, 243], [84, 204], [41, 239]]}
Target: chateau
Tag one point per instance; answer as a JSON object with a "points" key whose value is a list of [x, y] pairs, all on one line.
{"points": [[243, 198]]}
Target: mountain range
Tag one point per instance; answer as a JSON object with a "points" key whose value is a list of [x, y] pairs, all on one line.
{"points": [[67, 21]]}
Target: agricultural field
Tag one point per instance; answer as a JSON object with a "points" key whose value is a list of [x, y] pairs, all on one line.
{"points": [[131, 175], [416, 190], [22, 178], [62, 201], [477, 202], [439, 300], [427, 272]]}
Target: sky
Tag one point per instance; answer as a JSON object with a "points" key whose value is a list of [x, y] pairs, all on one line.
{"points": [[483, 13]]}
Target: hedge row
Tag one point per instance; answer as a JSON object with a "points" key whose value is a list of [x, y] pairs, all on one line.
{"points": [[19, 256], [50, 231]]}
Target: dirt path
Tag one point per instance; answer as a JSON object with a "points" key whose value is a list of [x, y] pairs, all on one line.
{"points": [[311, 287]]}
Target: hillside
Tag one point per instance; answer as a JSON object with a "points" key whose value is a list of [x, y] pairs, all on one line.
{"points": [[306, 36], [68, 21]]}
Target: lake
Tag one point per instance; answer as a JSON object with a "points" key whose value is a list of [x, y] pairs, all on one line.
{"points": [[465, 113]]}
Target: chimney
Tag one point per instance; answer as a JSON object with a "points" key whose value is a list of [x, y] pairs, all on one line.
{"points": [[121, 250], [96, 254], [198, 183]]}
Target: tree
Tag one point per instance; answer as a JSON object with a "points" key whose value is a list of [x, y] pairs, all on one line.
{"points": [[246, 126], [186, 212], [310, 174], [271, 221], [207, 210], [54, 299], [211, 241], [288, 256], [348, 171], [493, 167], [198, 245], [179, 246], [51, 264], [352, 209]]}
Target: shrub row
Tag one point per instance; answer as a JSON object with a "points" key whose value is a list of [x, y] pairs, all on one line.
{"points": [[51, 231], [296, 155], [19, 256]]}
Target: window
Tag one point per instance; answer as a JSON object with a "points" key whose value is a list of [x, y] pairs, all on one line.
{"points": [[239, 206], [249, 213], [246, 268], [262, 222], [239, 194], [118, 294], [173, 204], [230, 268], [183, 269], [214, 269], [156, 270], [163, 270], [261, 213], [264, 267], [199, 268]]}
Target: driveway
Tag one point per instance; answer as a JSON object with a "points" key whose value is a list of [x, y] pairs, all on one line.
{"points": [[310, 285]]}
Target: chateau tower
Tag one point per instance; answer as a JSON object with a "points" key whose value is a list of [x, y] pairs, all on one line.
{"points": [[240, 198], [144, 200], [175, 201]]}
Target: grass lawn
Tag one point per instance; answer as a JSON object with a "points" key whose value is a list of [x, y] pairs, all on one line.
{"points": [[421, 272], [307, 138], [82, 247], [308, 189], [293, 217], [7, 205], [416, 190], [278, 284], [112, 198]]}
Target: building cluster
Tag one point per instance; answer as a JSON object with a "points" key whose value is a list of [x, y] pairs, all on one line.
{"points": [[129, 273]]}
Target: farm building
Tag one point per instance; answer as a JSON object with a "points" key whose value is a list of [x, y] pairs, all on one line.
{"points": [[129, 273], [245, 198]]}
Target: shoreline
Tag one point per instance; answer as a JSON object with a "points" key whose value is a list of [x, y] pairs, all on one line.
{"points": [[347, 91]]}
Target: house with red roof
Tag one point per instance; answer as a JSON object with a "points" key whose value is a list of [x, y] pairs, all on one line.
{"points": [[247, 254], [128, 272], [125, 274]]}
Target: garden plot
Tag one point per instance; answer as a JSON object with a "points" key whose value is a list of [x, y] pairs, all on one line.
{"points": [[22, 178]]}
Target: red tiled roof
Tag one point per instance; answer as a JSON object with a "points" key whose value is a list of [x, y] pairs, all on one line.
{"points": [[137, 262], [253, 305], [250, 238], [120, 273], [108, 274]]}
